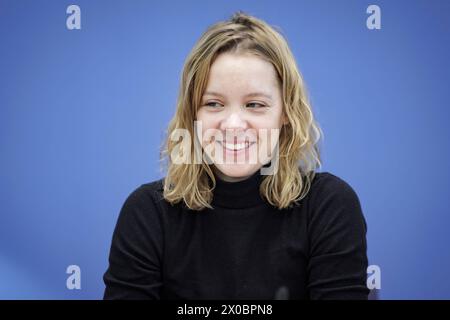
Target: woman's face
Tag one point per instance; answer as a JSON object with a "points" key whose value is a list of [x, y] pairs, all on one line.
{"points": [[240, 115]]}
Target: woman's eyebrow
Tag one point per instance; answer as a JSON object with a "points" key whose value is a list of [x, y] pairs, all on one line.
{"points": [[253, 94]]}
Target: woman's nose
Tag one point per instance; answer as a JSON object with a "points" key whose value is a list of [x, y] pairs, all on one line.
{"points": [[234, 121]]}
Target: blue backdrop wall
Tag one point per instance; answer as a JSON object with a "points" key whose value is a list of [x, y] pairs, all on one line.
{"points": [[83, 114]]}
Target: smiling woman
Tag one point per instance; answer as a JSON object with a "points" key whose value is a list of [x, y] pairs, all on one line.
{"points": [[240, 77], [226, 227], [251, 100]]}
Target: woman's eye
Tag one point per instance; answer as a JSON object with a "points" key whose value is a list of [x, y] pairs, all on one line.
{"points": [[254, 105], [213, 104]]}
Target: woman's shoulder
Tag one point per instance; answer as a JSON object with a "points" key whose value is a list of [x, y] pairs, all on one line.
{"points": [[145, 197], [328, 184], [154, 186], [332, 197]]}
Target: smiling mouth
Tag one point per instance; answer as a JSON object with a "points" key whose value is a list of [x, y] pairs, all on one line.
{"points": [[236, 146]]}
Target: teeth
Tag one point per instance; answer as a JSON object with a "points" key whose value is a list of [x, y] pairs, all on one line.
{"points": [[236, 147]]}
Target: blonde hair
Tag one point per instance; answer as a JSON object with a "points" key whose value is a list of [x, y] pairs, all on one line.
{"points": [[299, 154]]}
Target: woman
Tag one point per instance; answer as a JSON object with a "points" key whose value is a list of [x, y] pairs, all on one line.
{"points": [[241, 213]]}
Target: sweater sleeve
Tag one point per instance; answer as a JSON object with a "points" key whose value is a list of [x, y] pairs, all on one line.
{"points": [[134, 270], [338, 251]]}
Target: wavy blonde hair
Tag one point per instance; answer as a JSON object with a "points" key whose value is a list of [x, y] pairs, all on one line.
{"points": [[299, 154]]}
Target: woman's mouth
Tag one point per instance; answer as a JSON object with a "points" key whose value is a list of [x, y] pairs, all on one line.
{"points": [[234, 151], [234, 147]]}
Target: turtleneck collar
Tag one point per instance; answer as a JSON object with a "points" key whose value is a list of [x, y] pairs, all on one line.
{"points": [[238, 195]]}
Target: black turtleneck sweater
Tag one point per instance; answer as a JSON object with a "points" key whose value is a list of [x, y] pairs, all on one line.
{"points": [[242, 249]]}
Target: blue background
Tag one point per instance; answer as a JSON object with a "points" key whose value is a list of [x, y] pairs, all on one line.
{"points": [[83, 114]]}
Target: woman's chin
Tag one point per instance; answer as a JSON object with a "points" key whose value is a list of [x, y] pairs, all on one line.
{"points": [[236, 171]]}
